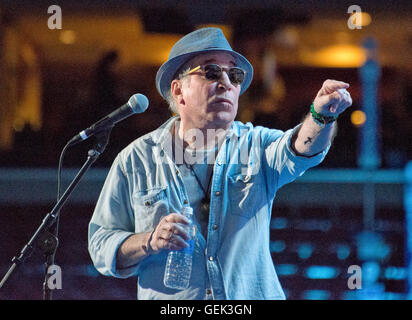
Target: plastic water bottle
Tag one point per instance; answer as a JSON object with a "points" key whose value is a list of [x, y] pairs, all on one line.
{"points": [[179, 263]]}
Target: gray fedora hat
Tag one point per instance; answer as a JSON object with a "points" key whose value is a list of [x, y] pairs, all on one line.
{"points": [[197, 42]]}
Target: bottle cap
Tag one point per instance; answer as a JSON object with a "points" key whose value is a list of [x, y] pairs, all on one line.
{"points": [[187, 211]]}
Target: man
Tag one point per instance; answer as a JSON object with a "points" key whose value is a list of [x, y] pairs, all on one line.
{"points": [[136, 221]]}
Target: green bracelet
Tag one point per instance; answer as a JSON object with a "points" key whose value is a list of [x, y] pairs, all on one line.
{"points": [[321, 119]]}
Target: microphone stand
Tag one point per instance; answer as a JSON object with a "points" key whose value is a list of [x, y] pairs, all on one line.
{"points": [[45, 239]]}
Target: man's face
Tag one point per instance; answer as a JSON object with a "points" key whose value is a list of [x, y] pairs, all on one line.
{"points": [[206, 103]]}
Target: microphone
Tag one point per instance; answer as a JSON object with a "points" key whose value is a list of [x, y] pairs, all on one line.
{"points": [[137, 103]]}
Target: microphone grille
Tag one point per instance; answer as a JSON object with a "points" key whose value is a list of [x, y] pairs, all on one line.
{"points": [[138, 102]]}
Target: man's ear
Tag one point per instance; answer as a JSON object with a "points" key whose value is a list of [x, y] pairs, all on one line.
{"points": [[176, 91]]}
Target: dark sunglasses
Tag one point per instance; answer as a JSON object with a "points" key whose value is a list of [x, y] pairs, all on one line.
{"points": [[214, 72]]}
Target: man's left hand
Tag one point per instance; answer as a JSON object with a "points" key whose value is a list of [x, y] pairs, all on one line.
{"points": [[333, 98]]}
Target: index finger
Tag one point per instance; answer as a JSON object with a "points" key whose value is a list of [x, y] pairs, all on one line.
{"points": [[333, 85]]}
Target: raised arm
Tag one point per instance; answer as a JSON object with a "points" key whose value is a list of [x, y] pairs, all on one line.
{"points": [[315, 134]]}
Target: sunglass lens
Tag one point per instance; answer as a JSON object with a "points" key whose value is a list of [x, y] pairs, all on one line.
{"points": [[213, 72], [236, 75]]}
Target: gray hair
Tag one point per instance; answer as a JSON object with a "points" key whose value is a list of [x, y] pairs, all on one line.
{"points": [[169, 97]]}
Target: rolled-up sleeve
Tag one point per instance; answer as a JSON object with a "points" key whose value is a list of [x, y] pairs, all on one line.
{"points": [[111, 224], [282, 161]]}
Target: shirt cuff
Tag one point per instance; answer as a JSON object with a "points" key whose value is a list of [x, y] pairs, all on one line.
{"points": [[111, 256], [308, 160]]}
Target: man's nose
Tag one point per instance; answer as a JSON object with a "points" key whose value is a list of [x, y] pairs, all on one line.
{"points": [[224, 81]]}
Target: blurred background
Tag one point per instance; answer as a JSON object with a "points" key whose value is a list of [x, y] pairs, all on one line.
{"points": [[58, 76]]}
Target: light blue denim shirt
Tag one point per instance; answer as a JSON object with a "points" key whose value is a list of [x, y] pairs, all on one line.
{"points": [[234, 262]]}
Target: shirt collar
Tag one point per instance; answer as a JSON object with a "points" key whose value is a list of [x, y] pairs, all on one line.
{"points": [[160, 134]]}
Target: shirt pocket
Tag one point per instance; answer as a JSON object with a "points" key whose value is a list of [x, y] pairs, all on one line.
{"points": [[149, 207], [246, 196]]}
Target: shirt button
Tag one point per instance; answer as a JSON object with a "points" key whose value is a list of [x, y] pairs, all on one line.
{"points": [[219, 163], [215, 227], [185, 202], [217, 193], [208, 291], [210, 258]]}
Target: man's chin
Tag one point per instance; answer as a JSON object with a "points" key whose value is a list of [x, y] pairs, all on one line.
{"points": [[223, 119]]}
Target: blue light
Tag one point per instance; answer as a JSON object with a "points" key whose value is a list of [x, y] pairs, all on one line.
{"points": [[316, 295], [321, 272], [286, 269], [395, 273], [279, 223], [343, 251], [395, 296], [277, 246], [305, 250], [372, 246]]}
